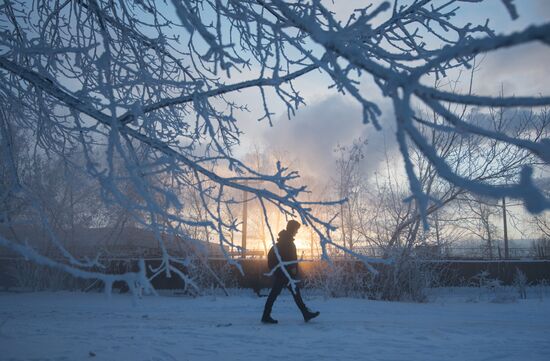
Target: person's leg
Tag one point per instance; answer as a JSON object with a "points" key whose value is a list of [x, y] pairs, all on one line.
{"points": [[297, 297], [278, 284], [308, 315]]}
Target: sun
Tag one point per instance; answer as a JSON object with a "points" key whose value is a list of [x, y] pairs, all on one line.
{"points": [[300, 243]]}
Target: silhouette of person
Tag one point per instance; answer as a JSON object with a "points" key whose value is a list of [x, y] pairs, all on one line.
{"points": [[287, 251]]}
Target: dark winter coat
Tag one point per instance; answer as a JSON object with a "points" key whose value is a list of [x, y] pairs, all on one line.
{"points": [[287, 251]]}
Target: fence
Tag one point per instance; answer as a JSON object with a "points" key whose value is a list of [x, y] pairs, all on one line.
{"points": [[453, 273], [423, 252]]}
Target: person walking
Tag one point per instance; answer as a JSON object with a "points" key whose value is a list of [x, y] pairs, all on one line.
{"points": [[287, 250]]}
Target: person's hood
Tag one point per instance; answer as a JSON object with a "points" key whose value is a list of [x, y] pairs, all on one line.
{"points": [[284, 236]]}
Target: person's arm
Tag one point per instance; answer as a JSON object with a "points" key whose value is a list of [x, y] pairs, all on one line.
{"points": [[293, 257]]}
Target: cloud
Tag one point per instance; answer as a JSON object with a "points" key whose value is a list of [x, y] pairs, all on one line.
{"points": [[543, 6], [318, 129], [521, 70]]}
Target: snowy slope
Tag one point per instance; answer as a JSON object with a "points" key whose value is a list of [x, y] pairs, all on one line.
{"points": [[73, 326]]}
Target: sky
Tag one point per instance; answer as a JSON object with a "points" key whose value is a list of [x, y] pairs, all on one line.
{"points": [[330, 119]]}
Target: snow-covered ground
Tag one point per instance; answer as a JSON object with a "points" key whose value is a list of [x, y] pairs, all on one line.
{"points": [[457, 324]]}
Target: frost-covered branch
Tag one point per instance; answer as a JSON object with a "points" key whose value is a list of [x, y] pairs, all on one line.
{"points": [[146, 93]]}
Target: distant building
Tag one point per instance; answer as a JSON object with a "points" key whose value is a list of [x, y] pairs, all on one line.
{"points": [[127, 242]]}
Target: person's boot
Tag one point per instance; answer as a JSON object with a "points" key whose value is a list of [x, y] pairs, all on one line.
{"points": [[308, 315], [266, 318]]}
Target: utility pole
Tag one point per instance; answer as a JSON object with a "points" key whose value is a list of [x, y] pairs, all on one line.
{"points": [[437, 235], [245, 222], [311, 241], [506, 250]]}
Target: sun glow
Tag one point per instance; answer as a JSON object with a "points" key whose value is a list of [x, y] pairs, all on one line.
{"points": [[301, 244]]}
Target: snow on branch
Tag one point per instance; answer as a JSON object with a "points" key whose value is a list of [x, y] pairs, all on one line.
{"points": [[397, 79], [108, 279], [145, 92]]}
